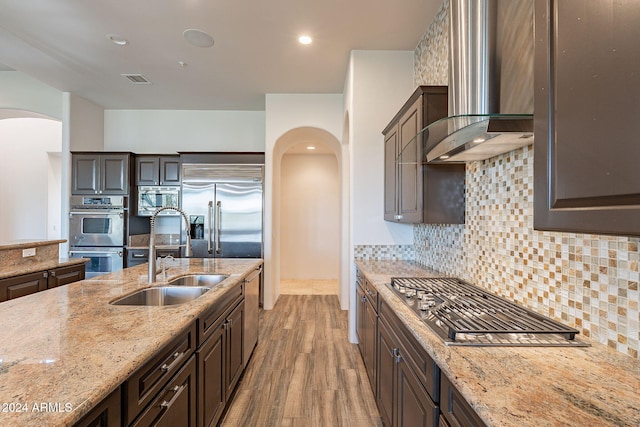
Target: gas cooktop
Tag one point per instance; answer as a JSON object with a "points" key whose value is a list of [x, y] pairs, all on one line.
{"points": [[464, 314]]}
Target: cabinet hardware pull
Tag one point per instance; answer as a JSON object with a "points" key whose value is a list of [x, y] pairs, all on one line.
{"points": [[176, 393], [230, 322], [396, 353], [363, 299], [167, 368]]}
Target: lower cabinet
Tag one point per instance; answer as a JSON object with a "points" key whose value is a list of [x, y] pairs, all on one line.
{"points": [[402, 398], [27, 284], [366, 326], [220, 365], [105, 414], [455, 410], [175, 405]]}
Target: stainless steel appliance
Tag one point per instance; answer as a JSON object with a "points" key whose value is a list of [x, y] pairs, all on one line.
{"points": [[102, 260], [463, 314], [97, 226], [225, 205], [152, 198]]}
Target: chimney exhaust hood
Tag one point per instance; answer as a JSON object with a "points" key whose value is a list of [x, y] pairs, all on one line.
{"points": [[490, 82]]}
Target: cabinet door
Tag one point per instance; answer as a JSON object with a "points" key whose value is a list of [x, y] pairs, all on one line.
{"points": [[211, 375], [15, 287], [414, 407], [410, 164], [235, 341], [586, 116], [170, 170], [114, 174], [175, 405], [454, 408], [105, 414], [85, 174], [391, 174], [360, 326], [370, 331], [147, 170], [65, 275], [386, 373]]}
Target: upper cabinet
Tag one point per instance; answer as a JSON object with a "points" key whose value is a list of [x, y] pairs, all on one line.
{"points": [[415, 192], [100, 173], [587, 107], [157, 170]]}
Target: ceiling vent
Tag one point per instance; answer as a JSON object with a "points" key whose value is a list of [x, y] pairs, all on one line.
{"points": [[138, 79]]}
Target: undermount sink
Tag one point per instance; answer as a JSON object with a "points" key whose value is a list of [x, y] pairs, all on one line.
{"points": [[162, 295], [205, 280]]}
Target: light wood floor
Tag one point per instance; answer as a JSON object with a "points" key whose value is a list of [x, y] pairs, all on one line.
{"points": [[304, 371], [308, 287]]}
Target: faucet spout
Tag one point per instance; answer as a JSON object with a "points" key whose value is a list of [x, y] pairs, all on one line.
{"points": [[152, 240]]}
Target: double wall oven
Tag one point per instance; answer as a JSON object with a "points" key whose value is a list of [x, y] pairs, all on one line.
{"points": [[97, 230]]}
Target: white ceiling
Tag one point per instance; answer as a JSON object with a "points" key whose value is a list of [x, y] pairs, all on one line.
{"points": [[62, 43]]}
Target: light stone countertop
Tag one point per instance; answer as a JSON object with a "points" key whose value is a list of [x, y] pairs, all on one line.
{"points": [[69, 346], [525, 386], [26, 243]]}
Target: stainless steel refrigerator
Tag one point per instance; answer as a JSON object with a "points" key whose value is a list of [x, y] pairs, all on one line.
{"points": [[224, 204]]}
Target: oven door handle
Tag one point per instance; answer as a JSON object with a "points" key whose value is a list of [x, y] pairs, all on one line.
{"points": [[98, 212], [119, 253]]}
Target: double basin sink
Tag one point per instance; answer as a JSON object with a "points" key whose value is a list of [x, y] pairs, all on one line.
{"points": [[177, 291]]}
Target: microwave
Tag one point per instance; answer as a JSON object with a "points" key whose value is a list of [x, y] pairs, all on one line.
{"points": [[152, 198]]}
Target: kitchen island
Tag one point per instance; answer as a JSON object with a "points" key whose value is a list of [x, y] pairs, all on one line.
{"points": [[40, 255], [524, 386], [66, 349]]}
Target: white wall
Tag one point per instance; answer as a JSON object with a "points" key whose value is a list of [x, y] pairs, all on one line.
{"points": [[21, 92], [309, 216], [86, 125], [24, 163], [170, 131], [378, 84]]}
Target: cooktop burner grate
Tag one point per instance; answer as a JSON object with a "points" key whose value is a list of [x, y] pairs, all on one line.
{"points": [[463, 314]]}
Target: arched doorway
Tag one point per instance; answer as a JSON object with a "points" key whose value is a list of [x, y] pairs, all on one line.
{"points": [[31, 183], [320, 222]]}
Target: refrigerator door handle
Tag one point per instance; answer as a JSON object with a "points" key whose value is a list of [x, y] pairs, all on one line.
{"points": [[210, 227], [218, 225]]}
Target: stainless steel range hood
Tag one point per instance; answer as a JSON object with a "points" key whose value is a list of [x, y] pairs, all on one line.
{"points": [[490, 82]]}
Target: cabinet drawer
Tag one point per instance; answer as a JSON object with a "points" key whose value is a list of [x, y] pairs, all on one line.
{"points": [[65, 275], [16, 287], [141, 388], [174, 405], [207, 322], [417, 358]]}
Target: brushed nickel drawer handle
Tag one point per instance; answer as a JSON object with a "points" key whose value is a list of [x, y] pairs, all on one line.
{"points": [[176, 358], [176, 393]]}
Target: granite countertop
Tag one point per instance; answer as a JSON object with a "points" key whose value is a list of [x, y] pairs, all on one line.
{"points": [[19, 270], [26, 243], [69, 346], [525, 386]]}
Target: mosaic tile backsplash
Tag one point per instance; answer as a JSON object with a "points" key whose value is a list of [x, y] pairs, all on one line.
{"points": [[587, 281], [383, 252]]}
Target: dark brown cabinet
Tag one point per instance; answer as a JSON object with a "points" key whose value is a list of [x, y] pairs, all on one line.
{"points": [[414, 192], [367, 326], [26, 284], [105, 414], [175, 404], [586, 116], [455, 409], [15, 287], [149, 384], [158, 170], [65, 275], [407, 378], [100, 173]]}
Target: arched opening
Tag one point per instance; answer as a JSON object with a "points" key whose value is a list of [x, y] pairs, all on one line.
{"points": [[31, 182], [307, 206]]}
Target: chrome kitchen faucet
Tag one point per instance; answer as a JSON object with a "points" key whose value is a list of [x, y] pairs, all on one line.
{"points": [[152, 240]]}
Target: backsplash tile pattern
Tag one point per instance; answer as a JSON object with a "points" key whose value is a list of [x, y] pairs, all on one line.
{"points": [[432, 53], [586, 281], [383, 252]]}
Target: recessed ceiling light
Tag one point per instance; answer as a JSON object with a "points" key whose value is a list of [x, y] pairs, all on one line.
{"points": [[444, 157], [305, 39], [198, 38], [116, 39], [311, 147]]}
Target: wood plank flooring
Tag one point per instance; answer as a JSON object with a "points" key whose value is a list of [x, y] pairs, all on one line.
{"points": [[304, 371]]}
